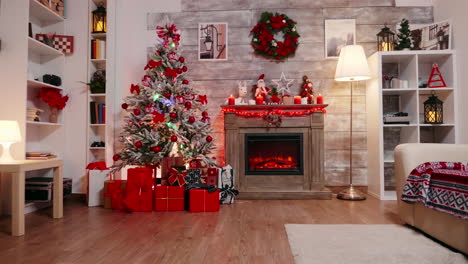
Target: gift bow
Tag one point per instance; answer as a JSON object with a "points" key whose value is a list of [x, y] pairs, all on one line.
{"points": [[175, 176], [171, 72], [135, 88], [202, 99], [228, 191]]}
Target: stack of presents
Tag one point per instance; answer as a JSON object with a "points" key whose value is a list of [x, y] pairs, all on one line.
{"points": [[199, 188]]}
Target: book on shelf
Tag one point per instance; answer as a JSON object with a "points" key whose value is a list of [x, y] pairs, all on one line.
{"points": [[98, 49], [40, 156], [97, 113]]}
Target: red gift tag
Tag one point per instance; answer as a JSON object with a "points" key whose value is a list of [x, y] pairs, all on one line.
{"points": [[203, 201]]}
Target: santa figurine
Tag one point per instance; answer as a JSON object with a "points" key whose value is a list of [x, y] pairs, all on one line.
{"points": [[261, 89]]}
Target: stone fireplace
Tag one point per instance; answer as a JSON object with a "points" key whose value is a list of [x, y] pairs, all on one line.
{"points": [[276, 162]]}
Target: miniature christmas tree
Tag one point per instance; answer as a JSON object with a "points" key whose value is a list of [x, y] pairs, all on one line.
{"points": [[166, 117], [404, 36]]}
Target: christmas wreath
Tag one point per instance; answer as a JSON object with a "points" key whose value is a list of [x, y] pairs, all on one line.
{"points": [[264, 42]]}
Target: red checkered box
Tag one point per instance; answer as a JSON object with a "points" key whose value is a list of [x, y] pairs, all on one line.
{"points": [[61, 42]]}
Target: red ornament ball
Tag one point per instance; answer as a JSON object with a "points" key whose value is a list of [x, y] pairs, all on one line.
{"points": [[191, 119], [204, 114], [184, 69], [138, 144], [188, 105], [157, 149], [179, 71], [167, 95], [137, 112], [185, 82], [173, 138], [116, 157], [182, 59], [124, 106], [209, 139], [173, 115]]}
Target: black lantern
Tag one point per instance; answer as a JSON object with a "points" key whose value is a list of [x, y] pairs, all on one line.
{"points": [[100, 19], [433, 110], [385, 40]]}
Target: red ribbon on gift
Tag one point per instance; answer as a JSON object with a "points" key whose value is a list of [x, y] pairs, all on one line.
{"points": [[98, 165], [175, 176]]}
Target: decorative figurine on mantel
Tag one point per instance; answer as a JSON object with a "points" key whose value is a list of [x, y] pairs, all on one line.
{"points": [[282, 86], [308, 90], [260, 89], [242, 93]]}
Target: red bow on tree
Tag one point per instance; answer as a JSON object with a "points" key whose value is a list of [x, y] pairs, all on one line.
{"points": [[171, 72], [135, 88], [175, 176], [202, 99], [152, 64], [158, 117]]}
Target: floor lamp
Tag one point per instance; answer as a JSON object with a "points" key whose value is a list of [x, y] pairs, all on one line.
{"points": [[352, 66]]}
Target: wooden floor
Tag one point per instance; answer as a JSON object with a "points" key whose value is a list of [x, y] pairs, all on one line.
{"points": [[245, 232]]}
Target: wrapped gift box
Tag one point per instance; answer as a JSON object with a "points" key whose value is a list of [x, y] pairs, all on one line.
{"points": [[169, 198], [114, 193], [95, 186], [203, 201], [167, 164], [139, 191], [226, 185], [212, 177]]}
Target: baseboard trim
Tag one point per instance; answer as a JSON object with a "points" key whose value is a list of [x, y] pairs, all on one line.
{"points": [[335, 189]]}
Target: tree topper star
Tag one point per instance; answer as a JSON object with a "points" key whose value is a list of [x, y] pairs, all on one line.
{"points": [[282, 84]]}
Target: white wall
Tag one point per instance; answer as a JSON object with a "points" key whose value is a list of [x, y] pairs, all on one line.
{"points": [[455, 10]]}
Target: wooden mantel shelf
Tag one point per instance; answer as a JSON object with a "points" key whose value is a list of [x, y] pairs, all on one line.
{"points": [[274, 107]]}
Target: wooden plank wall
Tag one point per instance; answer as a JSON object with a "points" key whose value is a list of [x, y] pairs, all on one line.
{"points": [[219, 79]]}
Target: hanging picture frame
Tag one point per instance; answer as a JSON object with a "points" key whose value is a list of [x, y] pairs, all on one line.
{"points": [[338, 33], [435, 36], [212, 41]]}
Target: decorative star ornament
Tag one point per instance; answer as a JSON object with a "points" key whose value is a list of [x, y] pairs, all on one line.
{"points": [[282, 84]]}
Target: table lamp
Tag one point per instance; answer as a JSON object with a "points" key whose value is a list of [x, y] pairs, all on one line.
{"points": [[352, 66], [9, 134]]}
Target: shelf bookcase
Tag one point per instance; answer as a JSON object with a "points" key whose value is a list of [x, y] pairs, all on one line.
{"points": [[101, 132], [383, 138]]}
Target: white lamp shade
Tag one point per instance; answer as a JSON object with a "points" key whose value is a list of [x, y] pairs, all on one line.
{"points": [[9, 131], [352, 65]]}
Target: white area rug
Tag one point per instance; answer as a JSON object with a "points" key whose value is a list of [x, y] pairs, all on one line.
{"points": [[362, 244]]}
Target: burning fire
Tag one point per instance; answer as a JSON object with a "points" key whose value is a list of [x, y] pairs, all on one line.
{"points": [[272, 162]]}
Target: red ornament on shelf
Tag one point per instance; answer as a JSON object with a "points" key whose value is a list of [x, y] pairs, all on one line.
{"points": [[209, 138], [191, 119], [188, 105], [124, 106], [173, 115], [185, 82], [138, 144], [182, 59], [157, 149], [173, 138], [167, 95], [136, 112], [184, 69], [116, 157]]}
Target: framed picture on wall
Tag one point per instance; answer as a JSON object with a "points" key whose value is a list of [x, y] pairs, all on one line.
{"points": [[338, 33], [212, 41], [436, 36]]}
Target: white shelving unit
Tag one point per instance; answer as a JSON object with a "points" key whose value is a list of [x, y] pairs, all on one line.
{"points": [[382, 138], [101, 132]]}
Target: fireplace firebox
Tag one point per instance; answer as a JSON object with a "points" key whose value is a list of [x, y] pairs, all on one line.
{"points": [[274, 154]]}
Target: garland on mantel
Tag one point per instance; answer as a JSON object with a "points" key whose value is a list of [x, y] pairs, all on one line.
{"points": [[275, 116]]}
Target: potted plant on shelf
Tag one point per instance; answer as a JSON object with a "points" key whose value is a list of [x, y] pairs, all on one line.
{"points": [[55, 100], [98, 82]]}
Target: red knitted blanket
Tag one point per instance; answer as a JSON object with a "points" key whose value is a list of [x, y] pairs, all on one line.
{"points": [[442, 186]]}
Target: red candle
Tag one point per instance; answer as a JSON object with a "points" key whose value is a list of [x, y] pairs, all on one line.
{"points": [[231, 100], [297, 100], [259, 100], [319, 99]]}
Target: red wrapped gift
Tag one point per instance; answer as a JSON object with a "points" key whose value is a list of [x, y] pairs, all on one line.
{"points": [[203, 201], [114, 194], [212, 177], [139, 191], [169, 198]]}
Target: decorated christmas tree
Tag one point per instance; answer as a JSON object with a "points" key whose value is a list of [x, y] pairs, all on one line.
{"points": [[404, 36], [166, 117]]}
